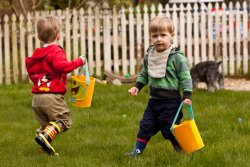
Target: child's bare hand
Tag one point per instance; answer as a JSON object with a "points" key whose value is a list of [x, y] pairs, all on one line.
{"points": [[83, 59], [133, 91], [187, 101]]}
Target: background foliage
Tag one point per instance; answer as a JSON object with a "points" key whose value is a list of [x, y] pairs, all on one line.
{"points": [[23, 6]]}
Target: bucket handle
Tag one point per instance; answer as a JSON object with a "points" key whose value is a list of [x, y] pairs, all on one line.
{"points": [[86, 68], [191, 114]]}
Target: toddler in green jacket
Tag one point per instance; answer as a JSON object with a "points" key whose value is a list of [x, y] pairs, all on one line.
{"points": [[166, 71]]}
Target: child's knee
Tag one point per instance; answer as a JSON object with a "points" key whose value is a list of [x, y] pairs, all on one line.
{"points": [[64, 124], [64, 120], [167, 135]]}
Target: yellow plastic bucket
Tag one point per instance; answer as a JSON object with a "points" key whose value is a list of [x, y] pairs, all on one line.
{"points": [[82, 88], [188, 136], [187, 133], [81, 93]]}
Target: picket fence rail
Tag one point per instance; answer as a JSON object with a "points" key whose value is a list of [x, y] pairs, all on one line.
{"points": [[116, 40]]}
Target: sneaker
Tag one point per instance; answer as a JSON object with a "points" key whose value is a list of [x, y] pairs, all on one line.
{"points": [[135, 152], [41, 151], [43, 142]]}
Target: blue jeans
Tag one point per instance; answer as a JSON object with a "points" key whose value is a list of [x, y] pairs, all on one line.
{"points": [[159, 116]]}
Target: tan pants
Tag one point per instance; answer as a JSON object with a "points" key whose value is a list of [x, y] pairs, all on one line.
{"points": [[51, 107]]}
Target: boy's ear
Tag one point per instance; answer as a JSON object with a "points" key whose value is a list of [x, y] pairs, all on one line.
{"points": [[173, 34], [58, 36]]}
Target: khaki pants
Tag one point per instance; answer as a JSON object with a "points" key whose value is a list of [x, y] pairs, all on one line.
{"points": [[51, 107]]}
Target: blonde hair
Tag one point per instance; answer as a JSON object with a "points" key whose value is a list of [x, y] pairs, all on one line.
{"points": [[48, 29], [161, 23]]}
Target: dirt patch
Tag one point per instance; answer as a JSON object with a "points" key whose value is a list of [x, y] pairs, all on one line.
{"points": [[232, 84]]}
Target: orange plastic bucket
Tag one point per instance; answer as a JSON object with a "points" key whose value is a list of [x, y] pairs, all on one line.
{"points": [[187, 133], [82, 89]]}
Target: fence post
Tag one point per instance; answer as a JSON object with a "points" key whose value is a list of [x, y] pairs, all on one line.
{"points": [[160, 9], [203, 33], [67, 34], [131, 42], [176, 22], [245, 38], [238, 39], [82, 32], [75, 36], [37, 41], [106, 37], [210, 33], [60, 17], [189, 35], [90, 40], [231, 39], [152, 8], [7, 50], [138, 37], [30, 35], [124, 41], [196, 35], [182, 41], [97, 43], [22, 47], [14, 49], [1, 55], [217, 32], [145, 28], [224, 39], [167, 10], [116, 41]]}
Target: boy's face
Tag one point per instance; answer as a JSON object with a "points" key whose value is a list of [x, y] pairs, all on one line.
{"points": [[161, 40]]}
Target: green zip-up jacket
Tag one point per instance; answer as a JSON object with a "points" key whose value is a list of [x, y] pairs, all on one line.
{"points": [[177, 77]]}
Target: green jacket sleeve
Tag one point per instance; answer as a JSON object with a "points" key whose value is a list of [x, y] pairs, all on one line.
{"points": [[142, 79], [183, 73]]}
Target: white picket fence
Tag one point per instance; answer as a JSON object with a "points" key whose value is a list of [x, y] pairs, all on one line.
{"points": [[116, 40]]}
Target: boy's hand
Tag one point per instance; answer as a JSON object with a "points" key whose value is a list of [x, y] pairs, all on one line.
{"points": [[133, 91], [187, 101], [83, 59]]}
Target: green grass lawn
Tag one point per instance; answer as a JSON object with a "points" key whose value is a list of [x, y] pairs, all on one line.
{"points": [[102, 134]]}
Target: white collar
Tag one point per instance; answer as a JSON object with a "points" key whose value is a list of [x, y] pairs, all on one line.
{"points": [[48, 44]]}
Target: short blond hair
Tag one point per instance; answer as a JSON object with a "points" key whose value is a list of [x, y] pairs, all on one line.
{"points": [[161, 23], [48, 28]]}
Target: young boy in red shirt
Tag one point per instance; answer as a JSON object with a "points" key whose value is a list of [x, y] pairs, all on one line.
{"points": [[47, 69]]}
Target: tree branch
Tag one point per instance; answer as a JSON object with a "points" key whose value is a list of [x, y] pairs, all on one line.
{"points": [[81, 4], [38, 4], [23, 8]]}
